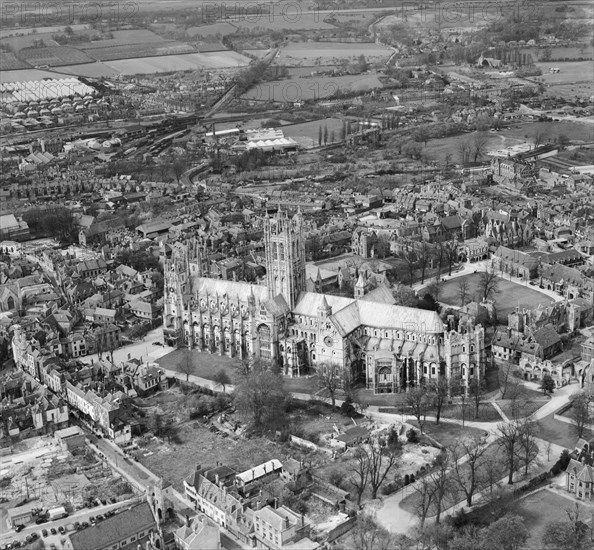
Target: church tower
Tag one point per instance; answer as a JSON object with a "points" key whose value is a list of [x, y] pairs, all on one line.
{"points": [[284, 243]]}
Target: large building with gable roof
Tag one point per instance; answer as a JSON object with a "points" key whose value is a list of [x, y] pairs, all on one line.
{"points": [[389, 347]]}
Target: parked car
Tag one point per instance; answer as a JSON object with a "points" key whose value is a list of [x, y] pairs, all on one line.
{"points": [[53, 531], [19, 528], [44, 532], [61, 529]]}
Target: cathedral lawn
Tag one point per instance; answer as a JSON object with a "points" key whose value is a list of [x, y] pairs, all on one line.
{"points": [[207, 365], [509, 295], [559, 432]]}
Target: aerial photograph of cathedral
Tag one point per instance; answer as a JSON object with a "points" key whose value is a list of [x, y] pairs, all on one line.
{"points": [[297, 275]]}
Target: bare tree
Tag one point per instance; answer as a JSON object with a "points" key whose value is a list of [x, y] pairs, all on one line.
{"points": [[491, 472], [488, 283], [419, 402], [381, 459], [409, 258], [507, 383], [580, 411], [185, 365], [424, 254], [476, 390], [467, 474], [479, 145], [360, 473], [549, 448], [463, 290], [439, 392], [539, 136], [451, 254], [329, 379], [464, 151], [222, 379], [528, 448], [509, 434], [424, 491], [368, 535], [442, 482]]}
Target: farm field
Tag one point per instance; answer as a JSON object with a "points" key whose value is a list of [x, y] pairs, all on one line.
{"points": [[182, 62], [17, 43], [310, 130], [125, 38], [132, 51], [54, 56], [258, 53], [509, 295], [291, 19], [24, 75], [10, 62], [570, 71], [304, 89], [560, 52], [5, 33], [212, 30], [91, 70], [317, 53]]}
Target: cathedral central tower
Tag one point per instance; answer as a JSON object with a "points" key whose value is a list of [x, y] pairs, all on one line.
{"points": [[284, 244]]}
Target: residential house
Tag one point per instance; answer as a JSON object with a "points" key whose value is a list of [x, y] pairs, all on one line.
{"points": [[145, 310], [276, 528], [579, 479], [199, 534]]}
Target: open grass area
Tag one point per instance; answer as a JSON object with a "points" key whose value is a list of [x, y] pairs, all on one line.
{"points": [[527, 402], [494, 452], [542, 507], [509, 295], [447, 433], [560, 433], [203, 364]]}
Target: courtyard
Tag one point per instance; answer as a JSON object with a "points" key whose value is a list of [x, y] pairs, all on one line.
{"points": [[508, 296]]}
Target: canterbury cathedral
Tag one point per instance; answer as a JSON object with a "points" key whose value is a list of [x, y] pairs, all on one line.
{"points": [[388, 347]]}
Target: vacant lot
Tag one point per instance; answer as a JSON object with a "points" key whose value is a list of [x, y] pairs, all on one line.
{"points": [[509, 295], [539, 509]]}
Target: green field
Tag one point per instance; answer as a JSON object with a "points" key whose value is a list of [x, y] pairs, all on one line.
{"points": [[543, 507], [508, 297]]}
